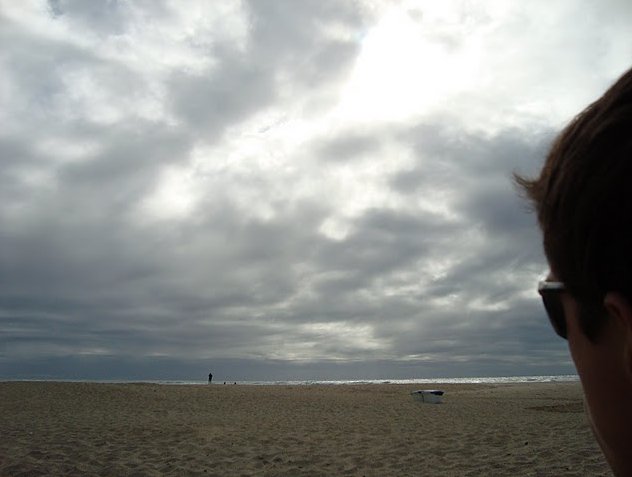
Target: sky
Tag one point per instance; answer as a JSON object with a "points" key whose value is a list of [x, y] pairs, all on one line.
{"points": [[291, 189]]}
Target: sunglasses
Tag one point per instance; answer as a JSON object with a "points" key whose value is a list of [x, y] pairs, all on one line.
{"points": [[551, 298]]}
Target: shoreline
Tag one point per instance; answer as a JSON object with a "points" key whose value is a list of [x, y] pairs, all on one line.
{"points": [[345, 382]]}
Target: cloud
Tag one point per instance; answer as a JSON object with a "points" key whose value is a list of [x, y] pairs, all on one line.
{"points": [[225, 184]]}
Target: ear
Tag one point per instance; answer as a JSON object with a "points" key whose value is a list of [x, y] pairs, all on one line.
{"points": [[620, 310]]}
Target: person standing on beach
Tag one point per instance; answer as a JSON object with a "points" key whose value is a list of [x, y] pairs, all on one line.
{"points": [[583, 200], [210, 377]]}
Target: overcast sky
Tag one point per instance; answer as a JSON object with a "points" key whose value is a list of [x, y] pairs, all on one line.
{"points": [[284, 189]]}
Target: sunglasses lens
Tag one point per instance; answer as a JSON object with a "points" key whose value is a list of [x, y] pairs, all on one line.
{"points": [[555, 310]]}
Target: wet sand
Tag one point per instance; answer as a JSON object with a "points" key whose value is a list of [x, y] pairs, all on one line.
{"points": [[361, 430]]}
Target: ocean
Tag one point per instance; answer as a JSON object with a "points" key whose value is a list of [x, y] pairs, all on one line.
{"points": [[467, 380]]}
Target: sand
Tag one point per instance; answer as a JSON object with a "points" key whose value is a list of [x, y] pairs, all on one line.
{"points": [[371, 430]]}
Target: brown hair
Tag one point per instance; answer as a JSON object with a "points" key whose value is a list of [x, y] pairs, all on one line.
{"points": [[583, 199]]}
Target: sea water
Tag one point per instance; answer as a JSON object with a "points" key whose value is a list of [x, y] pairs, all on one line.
{"points": [[466, 380]]}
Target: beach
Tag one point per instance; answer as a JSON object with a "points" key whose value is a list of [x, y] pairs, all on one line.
{"points": [[56, 428]]}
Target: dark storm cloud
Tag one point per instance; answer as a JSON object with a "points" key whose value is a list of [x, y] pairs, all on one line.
{"points": [[288, 50], [387, 244], [506, 240], [350, 146], [210, 103], [294, 34], [95, 279]]}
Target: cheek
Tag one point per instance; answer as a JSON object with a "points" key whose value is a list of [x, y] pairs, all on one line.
{"points": [[590, 418], [589, 365], [607, 389], [576, 339], [586, 357]]}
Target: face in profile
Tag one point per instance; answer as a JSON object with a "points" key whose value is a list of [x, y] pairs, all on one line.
{"points": [[583, 200]]}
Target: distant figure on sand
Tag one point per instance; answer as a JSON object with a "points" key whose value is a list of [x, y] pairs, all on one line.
{"points": [[583, 199], [210, 377]]}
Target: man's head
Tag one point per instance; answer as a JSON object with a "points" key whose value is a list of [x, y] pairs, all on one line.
{"points": [[583, 199]]}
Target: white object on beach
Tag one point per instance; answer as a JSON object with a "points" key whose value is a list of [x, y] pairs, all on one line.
{"points": [[432, 396]]}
